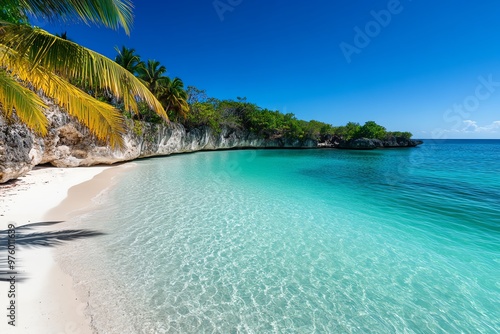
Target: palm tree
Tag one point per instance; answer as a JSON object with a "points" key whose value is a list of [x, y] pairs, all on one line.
{"points": [[128, 59], [110, 13], [174, 97], [151, 75], [33, 59], [63, 35]]}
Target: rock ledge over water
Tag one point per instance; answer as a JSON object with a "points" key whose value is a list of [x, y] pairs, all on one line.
{"points": [[69, 144]]}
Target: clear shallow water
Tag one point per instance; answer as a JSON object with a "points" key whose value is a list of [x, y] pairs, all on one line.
{"points": [[299, 241]]}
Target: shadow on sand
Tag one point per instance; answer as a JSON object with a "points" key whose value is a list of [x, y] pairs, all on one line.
{"points": [[26, 237]]}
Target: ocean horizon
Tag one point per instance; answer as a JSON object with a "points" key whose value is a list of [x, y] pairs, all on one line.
{"points": [[297, 241]]}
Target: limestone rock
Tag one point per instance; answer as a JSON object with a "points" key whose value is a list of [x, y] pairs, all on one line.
{"points": [[16, 142], [360, 144], [401, 142], [69, 144]]}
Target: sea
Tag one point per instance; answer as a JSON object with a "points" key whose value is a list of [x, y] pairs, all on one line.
{"points": [[297, 241]]}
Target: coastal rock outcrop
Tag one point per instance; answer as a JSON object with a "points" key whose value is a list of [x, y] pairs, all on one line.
{"points": [[16, 142], [367, 143], [361, 144], [69, 144], [401, 142]]}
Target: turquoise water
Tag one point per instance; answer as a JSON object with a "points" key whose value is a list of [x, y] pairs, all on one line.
{"points": [[300, 241]]}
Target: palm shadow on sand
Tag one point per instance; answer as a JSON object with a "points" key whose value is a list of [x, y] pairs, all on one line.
{"points": [[27, 238]]}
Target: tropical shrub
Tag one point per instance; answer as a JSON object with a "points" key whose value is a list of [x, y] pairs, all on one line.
{"points": [[371, 130]]}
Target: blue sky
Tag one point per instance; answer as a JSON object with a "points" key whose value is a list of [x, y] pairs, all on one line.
{"points": [[432, 68]]}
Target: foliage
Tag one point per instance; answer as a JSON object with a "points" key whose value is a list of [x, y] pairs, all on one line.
{"points": [[405, 135], [203, 114], [348, 131], [151, 74], [148, 115], [110, 13], [271, 124], [173, 97], [317, 130], [196, 95], [241, 114], [138, 128], [13, 96], [100, 92], [11, 12], [170, 92], [35, 59], [371, 130], [128, 59]]}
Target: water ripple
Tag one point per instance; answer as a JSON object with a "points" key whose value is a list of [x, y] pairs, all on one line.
{"points": [[295, 242]]}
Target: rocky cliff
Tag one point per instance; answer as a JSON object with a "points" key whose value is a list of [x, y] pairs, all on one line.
{"points": [[367, 143], [69, 144]]}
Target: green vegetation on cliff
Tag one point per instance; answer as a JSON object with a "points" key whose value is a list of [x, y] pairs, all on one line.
{"points": [[271, 124], [75, 77], [100, 93]]}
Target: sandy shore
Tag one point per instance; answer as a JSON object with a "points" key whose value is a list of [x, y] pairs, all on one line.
{"points": [[45, 301]]}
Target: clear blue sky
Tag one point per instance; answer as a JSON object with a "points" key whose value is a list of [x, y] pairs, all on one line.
{"points": [[417, 69]]}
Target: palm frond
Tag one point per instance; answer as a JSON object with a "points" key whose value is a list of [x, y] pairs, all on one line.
{"points": [[173, 96], [72, 61], [128, 59], [110, 13], [152, 74], [102, 119], [28, 106]]}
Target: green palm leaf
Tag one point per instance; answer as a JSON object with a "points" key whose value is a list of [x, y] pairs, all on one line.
{"points": [[74, 62], [41, 61], [28, 106], [173, 96], [151, 74], [102, 119], [128, 59], [110, 13]]}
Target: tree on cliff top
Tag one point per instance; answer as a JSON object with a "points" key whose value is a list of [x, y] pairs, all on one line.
{"points": [[31, 58], [372, 130], [174, 97], [128, 59]]}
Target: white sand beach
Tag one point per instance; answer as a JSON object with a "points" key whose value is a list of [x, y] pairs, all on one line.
{"points": [[45, 302]]}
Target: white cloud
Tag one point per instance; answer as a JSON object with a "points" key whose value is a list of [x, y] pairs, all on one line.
{"points": [[471, 126], [469, 129]]}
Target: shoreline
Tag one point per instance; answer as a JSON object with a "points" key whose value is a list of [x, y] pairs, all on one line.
{"points": [[46, 199]]}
